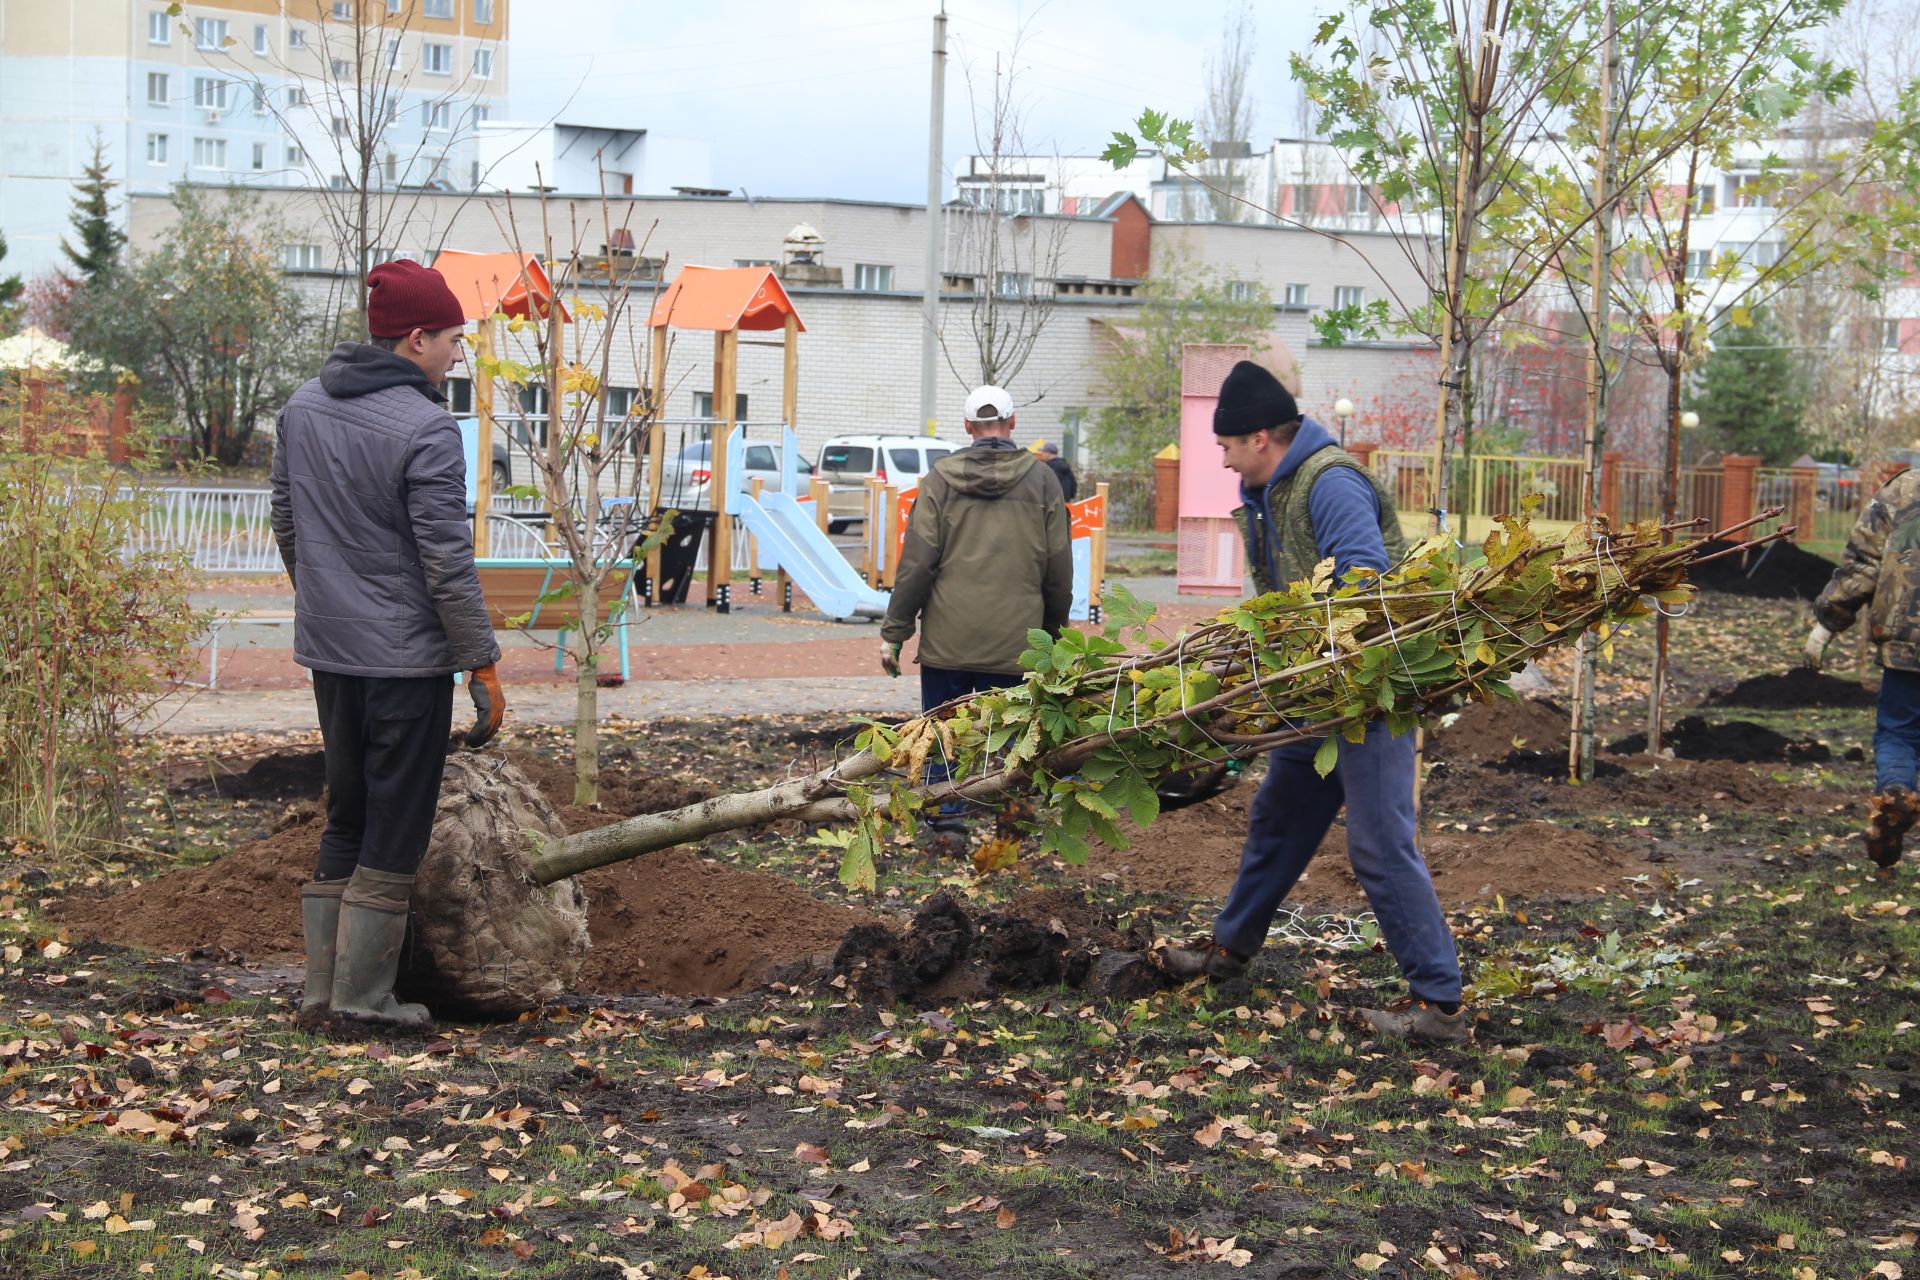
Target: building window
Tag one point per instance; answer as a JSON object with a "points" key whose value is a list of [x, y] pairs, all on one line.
{"points": [[753, 262], [209, 33], [343, 10], [483, 64], [482, 12], [341, 68], [157, 88], [260, 40], [209, 153], [393, 6], [296, 96], [342, 127], [874, 277], [393, 55], [294, 154], [1297, 295], [209, 94], [296, 38], [1699, 263], [437, 115], [482, 114], [1748, 191], [437, 8], [1013, 284], [703, 405], [259, 157], [1349, 295], [159, 29], [437, 59], [259, 99], [303, 257], [1239, 291], [1887, 335], [620, 401], [1359, 200], [1761, 254], [156, 148], [1704, 199]]}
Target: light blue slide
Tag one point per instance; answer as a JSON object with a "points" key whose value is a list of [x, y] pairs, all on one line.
{"points": [[791, 540]]}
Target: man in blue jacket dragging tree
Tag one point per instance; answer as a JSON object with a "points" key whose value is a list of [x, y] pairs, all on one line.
{"points": [[1305, 500]]}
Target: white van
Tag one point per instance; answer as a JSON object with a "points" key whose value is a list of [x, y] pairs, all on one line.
{"points": [[848, 462]]}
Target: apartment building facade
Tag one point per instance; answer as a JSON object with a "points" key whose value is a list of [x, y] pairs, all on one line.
{"points": [[263, 92]]}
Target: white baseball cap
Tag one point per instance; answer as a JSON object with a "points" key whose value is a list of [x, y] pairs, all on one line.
{"points": [[988, 403]]}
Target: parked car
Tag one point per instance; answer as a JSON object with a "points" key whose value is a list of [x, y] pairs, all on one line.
{"points": [[686, 478], [1838, 488], [848, 462]]}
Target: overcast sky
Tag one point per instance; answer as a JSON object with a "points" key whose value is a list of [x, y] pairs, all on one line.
{"points": [[830, 98]]}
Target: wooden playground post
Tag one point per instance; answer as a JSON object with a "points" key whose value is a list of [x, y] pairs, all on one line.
{"points": [[753, 543], [726, 355], [822, 495], [483, 453], [869, 535], [890, 532], [1097, 553], [789, 414], [656, 453]]}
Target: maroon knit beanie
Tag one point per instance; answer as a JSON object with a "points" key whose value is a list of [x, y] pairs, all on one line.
{"points": [[403, 296]]}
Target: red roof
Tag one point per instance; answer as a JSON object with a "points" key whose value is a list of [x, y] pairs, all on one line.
{"points": [[724, 299]]}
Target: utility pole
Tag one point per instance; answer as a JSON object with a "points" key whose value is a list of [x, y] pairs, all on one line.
{"points": [[930, 306], [1580, 750]]}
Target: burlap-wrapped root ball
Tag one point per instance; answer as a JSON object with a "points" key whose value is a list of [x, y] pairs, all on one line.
{"points": [[487, 940]]}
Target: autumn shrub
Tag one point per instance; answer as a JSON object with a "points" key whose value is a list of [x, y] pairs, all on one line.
{"points": [[91, 628]]}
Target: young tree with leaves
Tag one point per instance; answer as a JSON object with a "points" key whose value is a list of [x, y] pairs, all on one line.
{"points": [[95, 249], [348, 96], [1181, 302], [205, 320]]}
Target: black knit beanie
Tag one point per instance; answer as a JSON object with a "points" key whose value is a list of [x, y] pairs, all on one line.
{"points": [[1251, 399]]}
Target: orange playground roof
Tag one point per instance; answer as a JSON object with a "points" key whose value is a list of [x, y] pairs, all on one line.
{"points": [[724, 299], [490, 282]]}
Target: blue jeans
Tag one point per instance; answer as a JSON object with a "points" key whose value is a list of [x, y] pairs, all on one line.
{"points": [[1290, 815], [944, 684], [1896, 730]]}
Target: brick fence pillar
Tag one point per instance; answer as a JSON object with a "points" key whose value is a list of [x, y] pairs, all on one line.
{"points": [[1803, 499], [1166, 489], [1739, 490], [120, 426], [1610, 484]]}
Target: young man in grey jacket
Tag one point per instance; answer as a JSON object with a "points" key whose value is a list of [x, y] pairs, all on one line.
{"points": [[369, 509]]}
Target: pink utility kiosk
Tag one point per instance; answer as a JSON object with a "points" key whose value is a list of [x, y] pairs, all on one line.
{"points": [[1210, 561]]}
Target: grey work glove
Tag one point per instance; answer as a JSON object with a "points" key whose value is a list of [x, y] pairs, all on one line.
{"points": [[1816, 650], [890, 658]]}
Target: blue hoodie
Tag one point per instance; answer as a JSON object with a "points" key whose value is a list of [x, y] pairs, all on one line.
{"points": [[1345, 511]]}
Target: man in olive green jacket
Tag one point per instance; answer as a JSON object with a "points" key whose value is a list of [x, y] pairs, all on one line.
{"points": [[1880, 571], [988, 557]]}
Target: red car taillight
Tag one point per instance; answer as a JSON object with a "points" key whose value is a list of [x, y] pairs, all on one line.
{"points": [[881, 476], [701, 477]]}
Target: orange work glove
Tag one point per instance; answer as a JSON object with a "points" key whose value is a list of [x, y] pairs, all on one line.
{"points": [[489, 705]]}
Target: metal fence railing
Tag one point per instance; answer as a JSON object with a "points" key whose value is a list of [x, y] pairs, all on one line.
{"points": [[1484, 485]]}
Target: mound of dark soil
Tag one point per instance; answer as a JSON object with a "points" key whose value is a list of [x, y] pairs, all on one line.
{"points": [[668, 922], [1776, 571], [1489, 731], [1632, 783], [1742, 741], [1041, 940], [279, 778], [1795, 689]]}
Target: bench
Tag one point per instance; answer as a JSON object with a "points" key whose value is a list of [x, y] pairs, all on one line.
{"points": [[514, 587]]}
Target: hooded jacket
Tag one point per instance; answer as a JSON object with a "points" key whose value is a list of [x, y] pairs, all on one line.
{"points": [[987, 558], [1880, 571], [1340, 511], [370, 512]]}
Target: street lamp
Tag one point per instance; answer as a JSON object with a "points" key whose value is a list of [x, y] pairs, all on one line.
{"points": [[1343, 409]]}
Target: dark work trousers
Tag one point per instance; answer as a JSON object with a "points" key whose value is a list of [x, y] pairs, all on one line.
{"points": [[386, 745], [1896, 730], [944, 684], [1292, 811]]}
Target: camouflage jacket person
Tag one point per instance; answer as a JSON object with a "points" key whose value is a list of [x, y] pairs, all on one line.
{"points": [[1881, 569], [1295, 523]]}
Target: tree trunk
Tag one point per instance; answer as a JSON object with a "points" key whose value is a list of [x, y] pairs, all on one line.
{"points": [[586, 712]]}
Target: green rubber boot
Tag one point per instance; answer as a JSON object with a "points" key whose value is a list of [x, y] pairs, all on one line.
{"points": [[320, 921], [373, 925]]}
